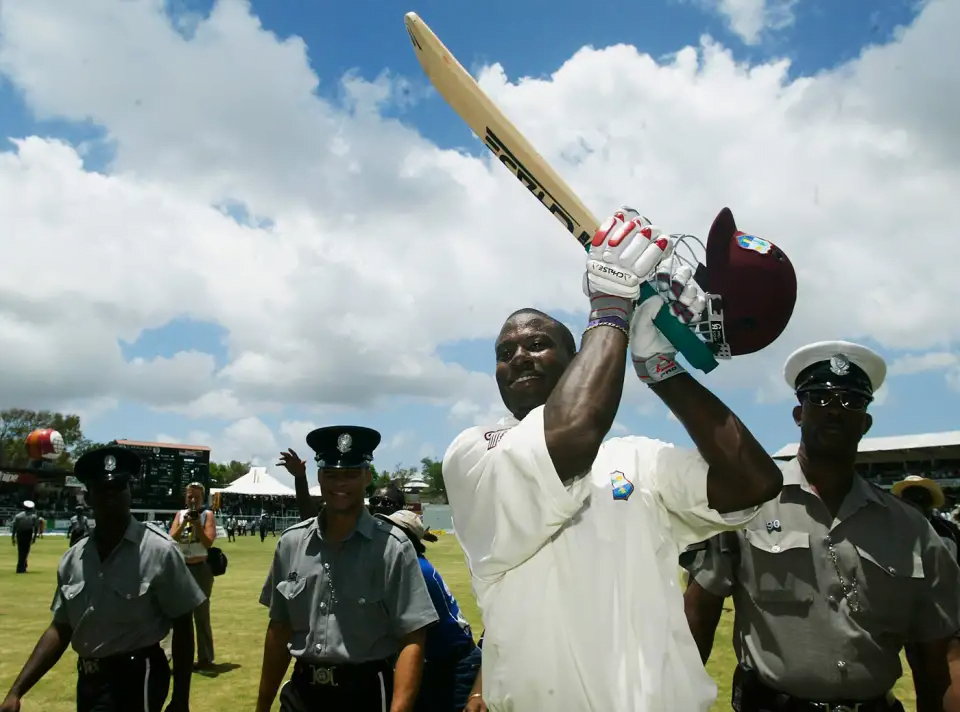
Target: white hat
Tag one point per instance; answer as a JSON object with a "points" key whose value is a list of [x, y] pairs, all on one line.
{"points": [[926, 483], [411, 522], [840, 365], [28, 504]]}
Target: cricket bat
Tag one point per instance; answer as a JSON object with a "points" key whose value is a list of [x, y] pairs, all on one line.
{"points": [[465, 97]]}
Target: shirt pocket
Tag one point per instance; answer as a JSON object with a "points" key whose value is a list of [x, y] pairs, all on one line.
{"points": [[74, 601], [298, 599], [130, 602], [889, 580], [362, 616], [777, 568]]}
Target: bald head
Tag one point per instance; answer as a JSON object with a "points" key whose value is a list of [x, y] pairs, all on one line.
{"points": [[563, 336], [533, 350]]}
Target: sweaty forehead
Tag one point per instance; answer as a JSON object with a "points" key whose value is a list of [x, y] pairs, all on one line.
{"points": [[524, 325]]}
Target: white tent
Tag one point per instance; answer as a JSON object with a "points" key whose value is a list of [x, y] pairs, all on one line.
{"points": [[258, 482]]}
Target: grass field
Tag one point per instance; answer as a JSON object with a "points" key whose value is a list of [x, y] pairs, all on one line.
{"points": [[238, 624]]}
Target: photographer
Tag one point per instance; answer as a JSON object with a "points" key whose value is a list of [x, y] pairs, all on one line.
{"points": [[194, 529]]}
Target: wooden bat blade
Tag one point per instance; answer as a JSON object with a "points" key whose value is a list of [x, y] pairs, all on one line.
{"points": [[485, 119]]}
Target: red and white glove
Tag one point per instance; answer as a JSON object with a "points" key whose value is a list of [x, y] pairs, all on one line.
{"points": [[624, 251], [654, 357]]}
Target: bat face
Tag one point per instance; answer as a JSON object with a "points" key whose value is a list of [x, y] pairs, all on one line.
{"points": [[463, 94], [501, 137], [527, 177]]}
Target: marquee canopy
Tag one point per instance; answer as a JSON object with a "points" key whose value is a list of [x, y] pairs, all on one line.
{"points": [[258, 482]]}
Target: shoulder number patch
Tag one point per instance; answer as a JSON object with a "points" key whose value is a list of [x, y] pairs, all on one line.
{"points": [[622, 487]]}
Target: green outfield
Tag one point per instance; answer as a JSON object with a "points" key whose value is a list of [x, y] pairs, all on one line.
{"points": [[238, 624]]}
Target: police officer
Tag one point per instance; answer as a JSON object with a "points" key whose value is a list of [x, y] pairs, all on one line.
{"points": [[23, 529], [346, 597], [79, 526], [118, 593], [835, 576]]}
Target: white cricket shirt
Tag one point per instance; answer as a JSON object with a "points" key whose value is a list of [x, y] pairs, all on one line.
{"points": [[578, 584]]}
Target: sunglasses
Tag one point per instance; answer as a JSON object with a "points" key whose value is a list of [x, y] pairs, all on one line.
{"points": [[385, 503], [847, 399]]}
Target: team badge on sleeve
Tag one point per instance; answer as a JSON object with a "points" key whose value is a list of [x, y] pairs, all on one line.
{"points": [[622, 487], [493, 437]]}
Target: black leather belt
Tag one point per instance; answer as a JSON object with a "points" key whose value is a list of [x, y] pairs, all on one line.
{"points": [[340, 675], [111, 663], [750, 694]]}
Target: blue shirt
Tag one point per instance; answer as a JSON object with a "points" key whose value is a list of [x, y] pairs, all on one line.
{"points": [[451, 638]]}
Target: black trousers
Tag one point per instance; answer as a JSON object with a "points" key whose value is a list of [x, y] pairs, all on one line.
{"points": [[133, 682], [367, 687], [24, 541]]}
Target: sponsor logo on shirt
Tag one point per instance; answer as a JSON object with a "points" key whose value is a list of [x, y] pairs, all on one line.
{"points": [[494, 436], [622, 487]]}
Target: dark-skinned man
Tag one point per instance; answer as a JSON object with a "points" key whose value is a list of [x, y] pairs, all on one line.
{"points": [[346, 597], [118, 593], [573, 541], [836, 576]]}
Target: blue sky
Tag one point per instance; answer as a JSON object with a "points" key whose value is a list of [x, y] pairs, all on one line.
{"points": [[529, 39]]}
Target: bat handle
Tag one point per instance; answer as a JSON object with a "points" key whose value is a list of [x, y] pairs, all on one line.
{"points": [[697, 353]]}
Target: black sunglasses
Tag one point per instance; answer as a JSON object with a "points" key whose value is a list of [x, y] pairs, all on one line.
{"points": [[385, 502], [849, 400]]}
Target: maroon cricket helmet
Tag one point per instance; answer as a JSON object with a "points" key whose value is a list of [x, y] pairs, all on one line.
{"points": [[756, 281]]}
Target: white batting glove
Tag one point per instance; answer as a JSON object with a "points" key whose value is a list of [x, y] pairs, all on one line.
{"points": [[625, 249], [654, 357]]}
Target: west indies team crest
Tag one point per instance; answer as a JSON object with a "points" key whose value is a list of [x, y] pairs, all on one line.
{"points": [[752, 242], [622, 487]]}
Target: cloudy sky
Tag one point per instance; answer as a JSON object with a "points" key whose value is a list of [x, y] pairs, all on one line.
{"points": [[227, 223]]}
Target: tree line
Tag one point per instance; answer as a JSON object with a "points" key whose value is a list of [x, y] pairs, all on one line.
{"points": [[17, 423]]}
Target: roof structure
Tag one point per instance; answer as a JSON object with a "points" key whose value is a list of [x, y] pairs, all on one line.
{"points": [[140, 443], [258, 482], [924, 446]]}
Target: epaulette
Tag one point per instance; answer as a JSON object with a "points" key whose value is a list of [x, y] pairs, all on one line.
{"points": [[391, 529], [152, 526], [298, 526]]}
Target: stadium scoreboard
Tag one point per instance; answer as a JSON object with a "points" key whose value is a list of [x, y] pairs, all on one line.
{"points": [[167, 469]]}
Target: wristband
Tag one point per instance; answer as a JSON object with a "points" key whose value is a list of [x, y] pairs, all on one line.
{"points": [[657, 368], [475, 694], [602, 305]]}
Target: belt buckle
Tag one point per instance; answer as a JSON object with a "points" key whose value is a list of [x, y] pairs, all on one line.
{"points": [[90, 667], [322, 676]]}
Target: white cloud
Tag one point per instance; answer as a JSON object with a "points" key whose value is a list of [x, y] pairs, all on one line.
{"points": [[749, 19], [920, 363], [370, 246]]}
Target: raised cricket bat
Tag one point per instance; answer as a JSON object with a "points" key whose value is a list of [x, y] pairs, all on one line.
{"points": [[465, 97]]}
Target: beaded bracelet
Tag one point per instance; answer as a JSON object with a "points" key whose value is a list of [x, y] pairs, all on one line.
{"points": [[607, 321], [611, 320]]}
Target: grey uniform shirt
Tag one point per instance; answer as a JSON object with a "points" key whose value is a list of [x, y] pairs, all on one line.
{"points": [[24, 523], [824, 605], [347, 603], [128, 601]]}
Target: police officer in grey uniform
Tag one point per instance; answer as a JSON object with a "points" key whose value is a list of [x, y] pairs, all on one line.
{"points": [[79, 526], [835, 576], [118, 593], [346, 597], [23, 529]]}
